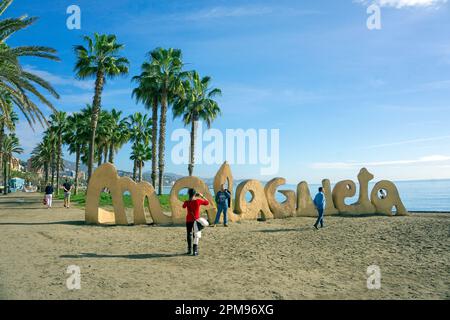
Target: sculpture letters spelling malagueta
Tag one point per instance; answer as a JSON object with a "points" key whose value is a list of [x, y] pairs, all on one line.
{"points": [[263, 204]]}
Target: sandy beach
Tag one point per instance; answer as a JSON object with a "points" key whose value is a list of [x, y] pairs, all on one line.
{"points": [[276, 259]]}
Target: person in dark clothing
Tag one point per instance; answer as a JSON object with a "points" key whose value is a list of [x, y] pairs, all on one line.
{"points": [[67, 189], [319, 202], [223, 201], [193, 214], [48, 196]]}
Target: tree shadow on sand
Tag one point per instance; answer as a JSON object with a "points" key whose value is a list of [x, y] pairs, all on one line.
{"points": [[358, 215], [306, 228], [90, 225], [70, 223], [125, 256], [11, 208]]}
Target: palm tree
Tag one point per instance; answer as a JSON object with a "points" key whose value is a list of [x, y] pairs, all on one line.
{"points": [[8, 119], [168, 65], [148, 92], [102, 137], [140, 133], [10, 146], [58, 123], [134, 124], [87, 116], [76, 137], [50, 139], [100, 60], [101, 134], [20, 84], [118, 133], [140, 153], [197, 103], [41, 157]]}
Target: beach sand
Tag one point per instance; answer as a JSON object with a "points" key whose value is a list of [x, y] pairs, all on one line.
{"points": [[276, 259]]}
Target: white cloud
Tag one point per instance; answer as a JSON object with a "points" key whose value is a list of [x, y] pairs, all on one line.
{"points": [[226, 12], [407, 142], [404, 3], [351, 164], [256, 98], [437, 85], [245, 11], [60, 80], [377, 83]]}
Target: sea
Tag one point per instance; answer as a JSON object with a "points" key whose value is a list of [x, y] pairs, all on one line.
{"points": [[418, 195]]}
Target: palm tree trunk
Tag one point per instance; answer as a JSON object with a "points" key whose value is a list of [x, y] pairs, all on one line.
{"points": [[5, 178], [53, 169], [58, 164], [111, 152], [8, 173], [46, 173], [162, 145], [77, 168], [140, 171], [154, 138], [99, 82], [105, 153], [194, 125], [134, 170], [99, 160], [2, 135]]}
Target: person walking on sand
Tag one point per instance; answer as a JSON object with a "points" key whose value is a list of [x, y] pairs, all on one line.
{"points": [[48, 196], [193, 214], [222, 199], [319, 202], [67, 186]]}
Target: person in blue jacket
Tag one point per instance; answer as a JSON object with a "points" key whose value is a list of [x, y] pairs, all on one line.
{"points": [[319, 202], [222, 199]]}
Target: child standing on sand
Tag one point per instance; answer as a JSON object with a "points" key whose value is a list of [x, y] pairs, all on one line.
{"points": [[193, 214], [319, 202]]}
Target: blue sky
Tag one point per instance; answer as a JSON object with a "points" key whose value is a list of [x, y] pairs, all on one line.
{"points": [[341, 95]]}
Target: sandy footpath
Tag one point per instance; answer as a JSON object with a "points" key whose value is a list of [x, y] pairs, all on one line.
{"points": [[277, 259]]}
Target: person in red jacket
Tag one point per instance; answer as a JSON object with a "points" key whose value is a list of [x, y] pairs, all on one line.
{"points": [[193, 213]]}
